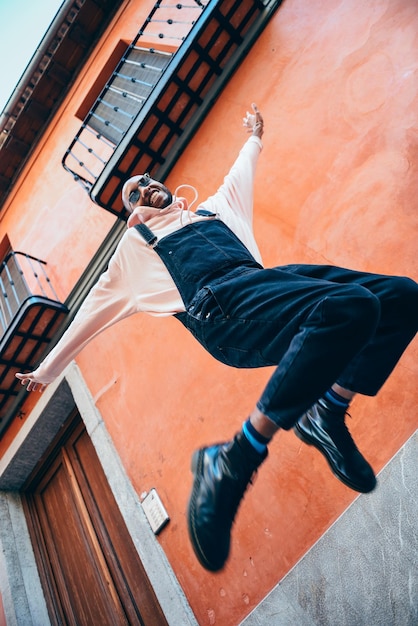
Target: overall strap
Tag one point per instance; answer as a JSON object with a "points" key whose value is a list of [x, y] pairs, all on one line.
{"points": [[151, 239], [147, 234], [205, 212]]}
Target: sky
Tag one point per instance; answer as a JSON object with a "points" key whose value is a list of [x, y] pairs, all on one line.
{"points": [[23, 24]]}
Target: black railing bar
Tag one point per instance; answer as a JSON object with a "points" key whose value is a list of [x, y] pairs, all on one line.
{"points": [[163, 36], [35, 274], [182, 6], [84, 167], [71, 154], [14, 255], [3, 291], [48, 282], [10, 280], [144, 66], [152, 50], [132, 79], [116, 109], [4, 266], [198, 7], [107, 123], [170, 21], [86, 184], [5, 297], [127, 94], [98, 136], [76, 159], [3, 321], [91, 151]]}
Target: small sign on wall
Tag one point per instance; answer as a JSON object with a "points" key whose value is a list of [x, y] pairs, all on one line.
{"points": [[155, 511]]}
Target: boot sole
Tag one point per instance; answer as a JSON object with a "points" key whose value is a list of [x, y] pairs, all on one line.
{"points": [[312, 442], [196, 467]]}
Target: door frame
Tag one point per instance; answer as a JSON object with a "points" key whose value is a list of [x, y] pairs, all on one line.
{"points": [[20, 584]]}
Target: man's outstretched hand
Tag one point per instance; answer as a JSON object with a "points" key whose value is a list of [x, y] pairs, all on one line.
{"points": [[30, 380], [254, 122]]}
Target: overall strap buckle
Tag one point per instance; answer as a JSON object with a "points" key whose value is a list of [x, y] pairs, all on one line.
{"points": [[147, 234]]}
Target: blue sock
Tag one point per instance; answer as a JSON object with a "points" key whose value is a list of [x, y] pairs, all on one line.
{"points": [[258, 442], [336, 400]]}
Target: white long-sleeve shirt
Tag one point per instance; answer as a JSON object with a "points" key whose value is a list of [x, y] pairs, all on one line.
{"points": [[138, 281]]}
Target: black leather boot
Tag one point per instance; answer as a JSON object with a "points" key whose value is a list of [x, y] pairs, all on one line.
{"points": [[324, 427], [221, 475]]}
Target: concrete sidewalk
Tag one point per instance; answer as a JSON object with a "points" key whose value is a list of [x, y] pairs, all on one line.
{"points": [[364, 569]]}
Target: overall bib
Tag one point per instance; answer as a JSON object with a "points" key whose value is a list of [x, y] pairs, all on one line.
{"points": [[316, 324]]}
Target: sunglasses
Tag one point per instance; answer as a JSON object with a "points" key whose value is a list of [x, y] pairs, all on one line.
{"points": [[142, 182]]}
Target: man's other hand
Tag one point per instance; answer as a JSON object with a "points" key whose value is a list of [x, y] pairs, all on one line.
{"points": [[30, 381], [254, 122]]}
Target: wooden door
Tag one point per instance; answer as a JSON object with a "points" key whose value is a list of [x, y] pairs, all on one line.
{"points": [[90, 570]]}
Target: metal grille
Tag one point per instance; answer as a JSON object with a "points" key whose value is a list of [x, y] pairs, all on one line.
{"points": [[128, 88], [30, 317], [21, 277], [116, 142], [131, 85]]}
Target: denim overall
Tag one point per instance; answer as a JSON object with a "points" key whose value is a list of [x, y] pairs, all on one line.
{"points": [[317, 324]]}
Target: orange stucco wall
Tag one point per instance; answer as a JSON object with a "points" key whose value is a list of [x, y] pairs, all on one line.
{"points": [[336, 81]]}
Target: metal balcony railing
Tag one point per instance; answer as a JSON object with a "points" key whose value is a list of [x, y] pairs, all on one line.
{"points": [[160, 92], [22, 276], [129, 87], [30, 316]]}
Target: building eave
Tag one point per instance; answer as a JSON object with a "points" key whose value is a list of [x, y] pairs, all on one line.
{"points": [[75, 30]]}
